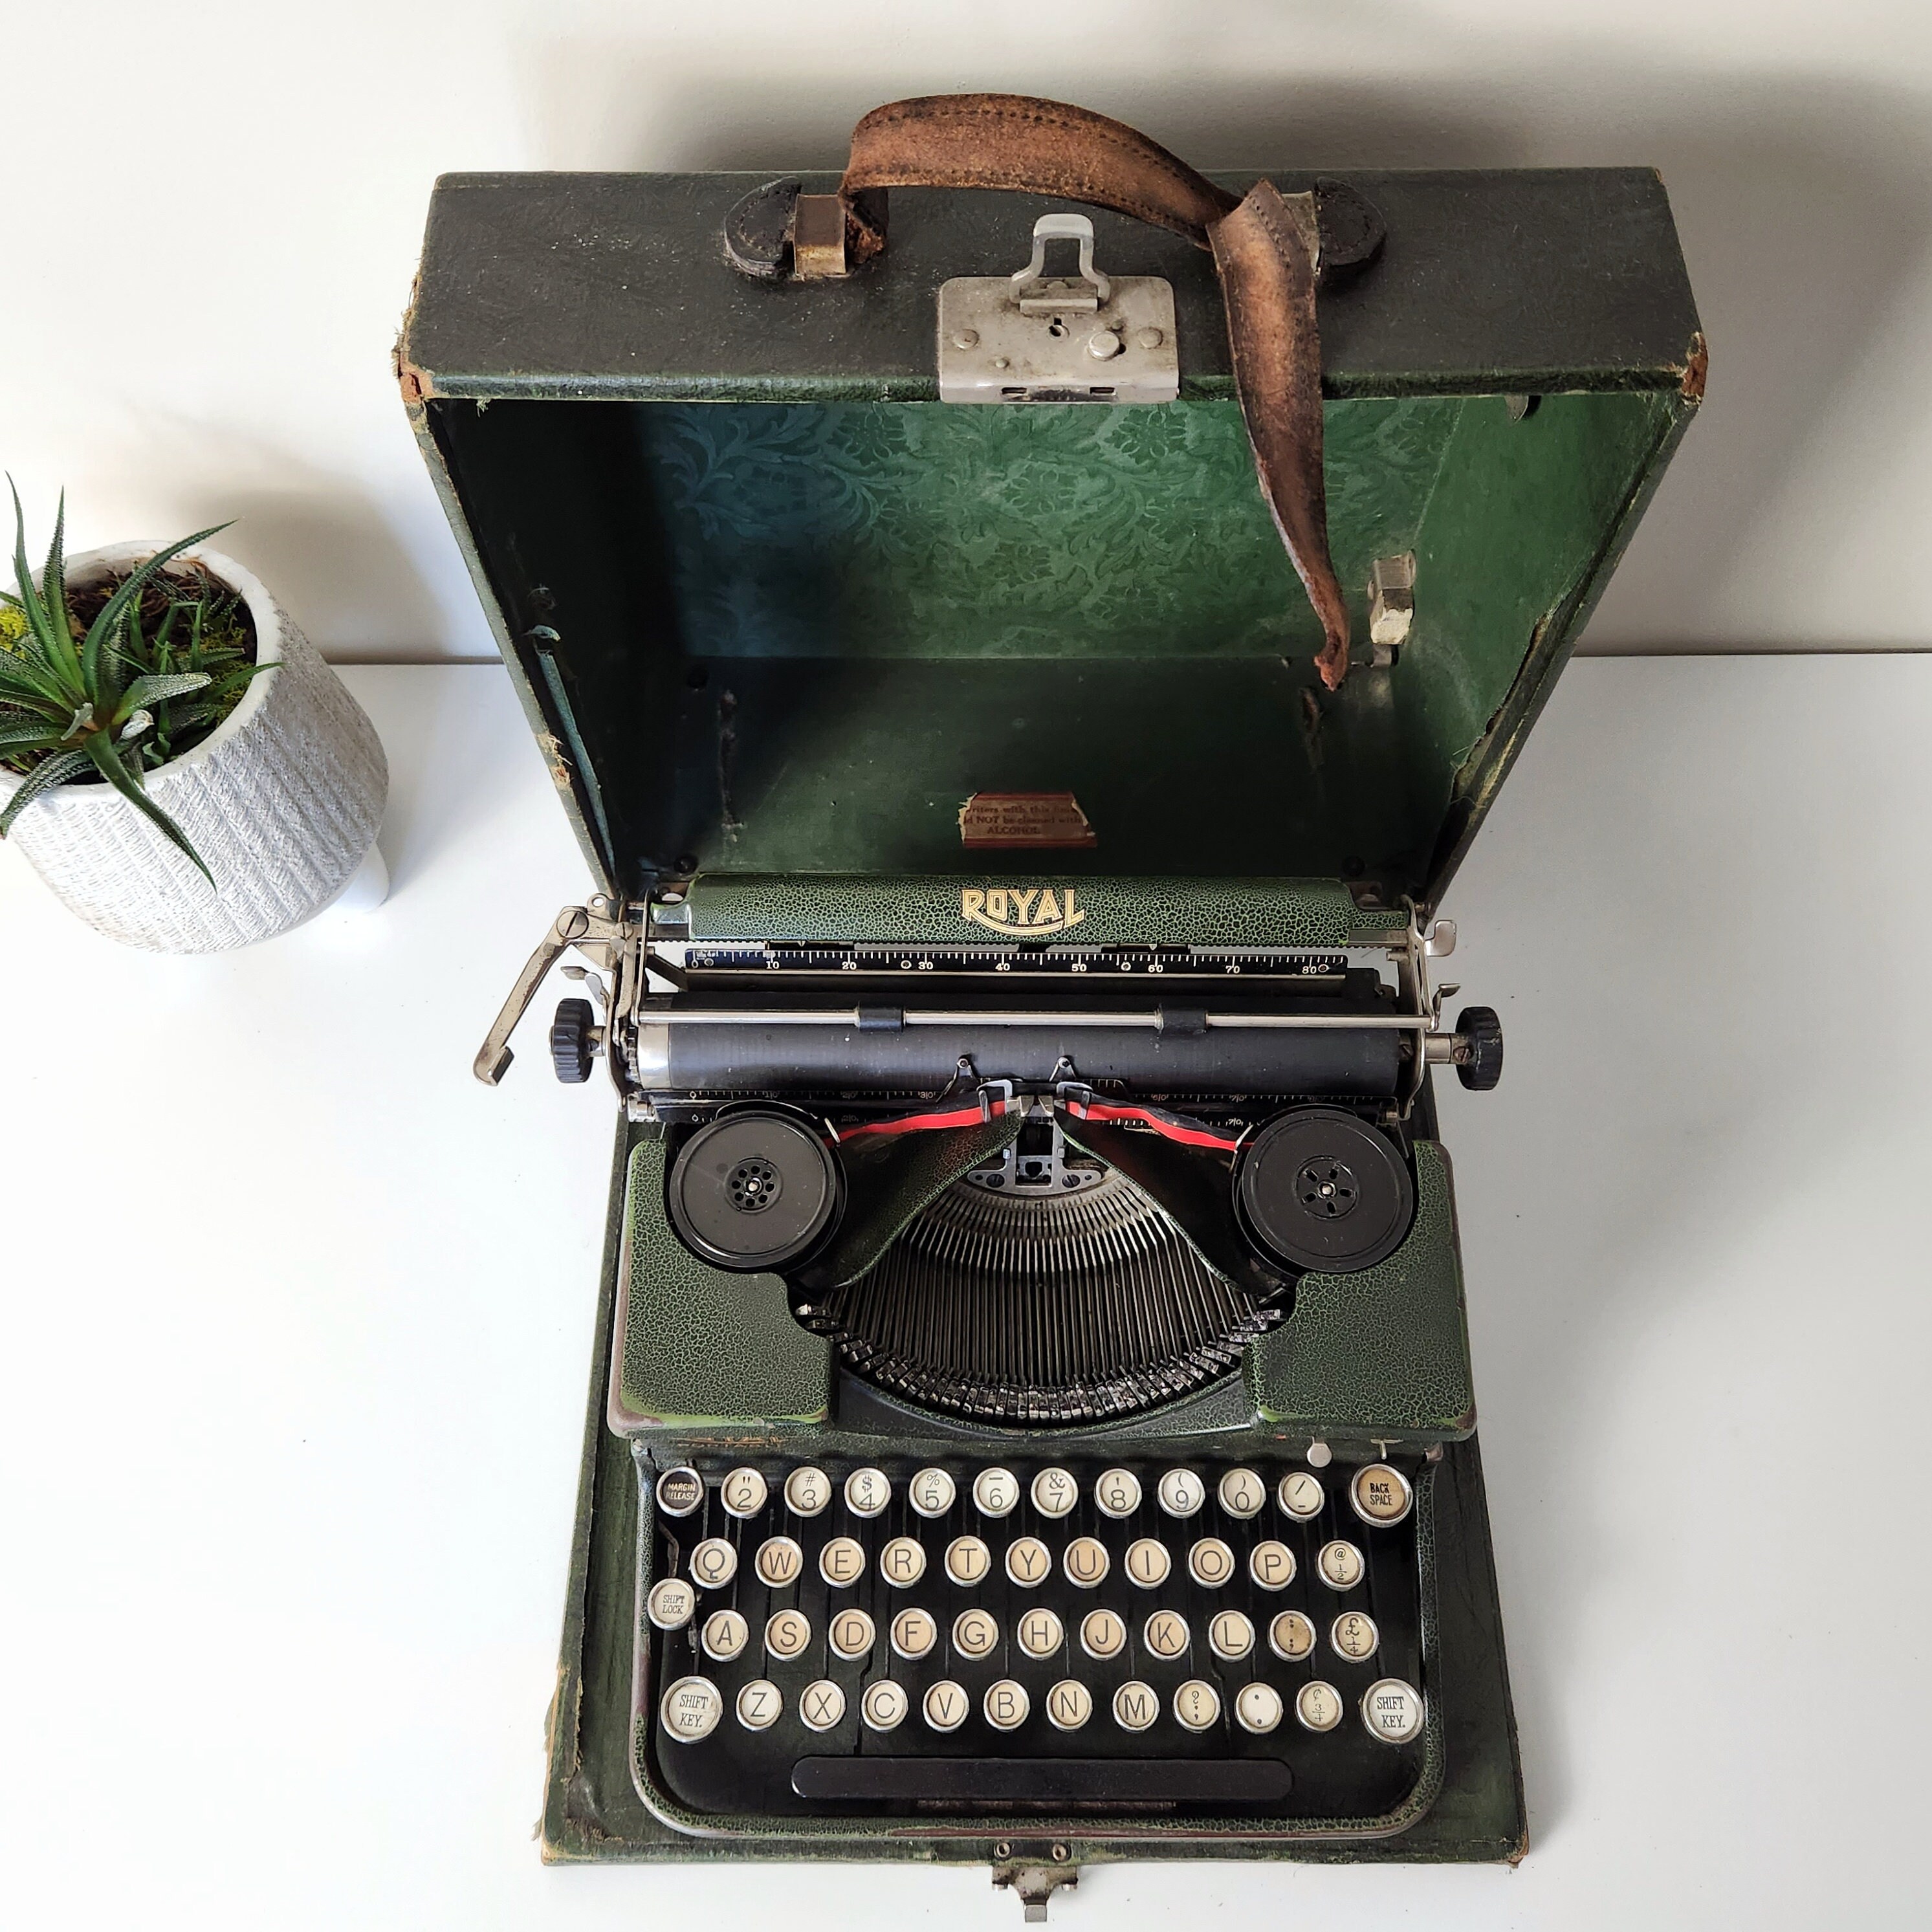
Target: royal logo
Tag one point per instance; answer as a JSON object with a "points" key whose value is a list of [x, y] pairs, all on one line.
{"points": [[1021, 912]]}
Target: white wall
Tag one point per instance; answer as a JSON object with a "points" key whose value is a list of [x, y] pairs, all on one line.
{"points": [[212, 213]]}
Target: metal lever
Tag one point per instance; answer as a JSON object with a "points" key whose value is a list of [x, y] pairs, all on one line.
{"points": [[581, 926]]}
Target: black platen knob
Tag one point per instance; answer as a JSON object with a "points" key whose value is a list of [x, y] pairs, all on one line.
{"points": [[571, 1048], [1479, 1049]]}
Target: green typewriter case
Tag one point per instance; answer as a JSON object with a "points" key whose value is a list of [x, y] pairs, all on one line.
{"points": [[826, 666]]}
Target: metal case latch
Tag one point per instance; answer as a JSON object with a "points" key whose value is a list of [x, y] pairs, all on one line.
{"points": [[1034, 338]]}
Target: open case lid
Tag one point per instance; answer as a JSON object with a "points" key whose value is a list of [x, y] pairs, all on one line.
{"points": [[775, 608]]}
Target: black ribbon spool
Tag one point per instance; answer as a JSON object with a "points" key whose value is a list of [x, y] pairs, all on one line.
{"points": [[1318, 1189], [754, 1190]]}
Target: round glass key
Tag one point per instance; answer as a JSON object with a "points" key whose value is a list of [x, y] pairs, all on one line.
{"points": [[1086, 1562], [884, 1705], [1029, 1561], [742, 1492], [1135, 1705], [821, 1705], [724, 1636], [867, 1492], [1230, 1636], [1298, 1494], [1353, 1635], [1291, 1637], [1054, 1493], [1006, 1705], [851, 1633], [1068, 1705], [780, 1562], [671, 1603], [691, 1709], [1211, 1562], [1040, 1633], [842, 1561], [996, 1493], [1318, 1706], [1197, 1705], [1340, 1564], [1148, 1563], [761, 1705], [1380, 1495], [714, 1562], [967, 1561], [902, 1562], [1271, 1565], [1258, 1708], [1181, 1493], [787, 1634], [914, 1633], [1117, 1493], [975, 1634], [807, 1491], [931, 1492], [1165, 1634], [1242, 1493], [1392, 1710], [1102, 1634], [945, 1706], [679, 1492]]}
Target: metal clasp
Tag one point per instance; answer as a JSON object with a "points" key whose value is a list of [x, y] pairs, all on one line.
{"points": [[1034, 294]]}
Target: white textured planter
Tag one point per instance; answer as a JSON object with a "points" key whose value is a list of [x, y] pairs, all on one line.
{"points": [[282, 800]]}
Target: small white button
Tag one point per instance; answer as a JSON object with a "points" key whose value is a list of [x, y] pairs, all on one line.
{"points": [[807, 1491], [1148, 1563], [867, 1492], [1006, 1705], [975, 1634], [714, 1562], [821, 1705], [1181, 1493], [1381, 1496], [1135, 1705], [1068, 1705], [945, 1706], [1165, 1633], [851, 1633], [691, 1709], [1086, 1562], [1040, 1633], [1299, 1496], [780, 1562], [1117, 1493], [1353, 1636], [1271, 1564], [996, 1493], [1320, 1455], [724, 1636], [1291, 1637], [1211, 1563], [842, 1561], [1054, 1493], [671, 1603], [1230, 1636], [679, 1492], [1102, 1634], [930, 1492], [1242, 1493], [1318, 1706], [884, 1705], [760, 1704], [1340, 1564], [1029, 1561], [1197, 1704], [1258, 1708], [742, 1492], [787, 1634], [1392, 1710], [902, 1562], [914, 1633], [967, 1561]]}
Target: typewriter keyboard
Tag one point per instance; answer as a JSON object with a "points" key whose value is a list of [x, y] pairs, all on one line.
{"points": [[1204, 1639]]}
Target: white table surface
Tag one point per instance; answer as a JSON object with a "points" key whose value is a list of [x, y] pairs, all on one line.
{"points": [[297, 1325]]}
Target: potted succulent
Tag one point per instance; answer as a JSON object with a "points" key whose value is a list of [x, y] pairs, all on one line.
{"points": [[176, 760]]}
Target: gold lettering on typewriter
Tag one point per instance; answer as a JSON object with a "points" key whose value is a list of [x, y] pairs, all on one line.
{"points": [[1030, 912]]}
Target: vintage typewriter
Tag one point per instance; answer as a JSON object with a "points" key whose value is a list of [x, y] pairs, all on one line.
{"points": [[1034, 1419]]}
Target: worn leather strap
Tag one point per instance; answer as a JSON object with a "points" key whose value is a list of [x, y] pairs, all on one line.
{"points": [[1266, 248]]}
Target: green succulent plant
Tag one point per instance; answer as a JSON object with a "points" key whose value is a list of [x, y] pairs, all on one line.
{"points": [[112, 697]]}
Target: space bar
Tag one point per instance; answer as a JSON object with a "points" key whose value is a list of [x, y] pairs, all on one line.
{"points": [[981, 1781]]}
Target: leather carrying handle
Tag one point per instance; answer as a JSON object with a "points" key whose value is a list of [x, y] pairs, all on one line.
{"points": [[1266, 250]]}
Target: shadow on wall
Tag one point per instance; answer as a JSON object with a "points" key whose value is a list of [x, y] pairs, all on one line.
{"points": [[1801, 205]]}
